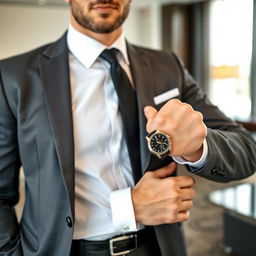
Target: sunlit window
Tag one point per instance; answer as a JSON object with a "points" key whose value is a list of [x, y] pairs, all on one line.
{"points": [[230, 31]]}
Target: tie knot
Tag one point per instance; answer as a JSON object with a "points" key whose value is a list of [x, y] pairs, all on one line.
{"points": [[109, 55]]}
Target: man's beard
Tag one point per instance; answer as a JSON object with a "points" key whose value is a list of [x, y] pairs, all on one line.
{"points": [[99, 27]]}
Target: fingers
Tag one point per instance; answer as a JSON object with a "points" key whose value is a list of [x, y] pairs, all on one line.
{"points": [[183, 211], [184, 181], [159, 199], [187, 194], [183, 216], [165, 171], [176, 213], [185, 205], [150, 114]]}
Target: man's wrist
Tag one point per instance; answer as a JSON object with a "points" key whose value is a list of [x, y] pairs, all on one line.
{"points": [[198, 164], [196, 156]]}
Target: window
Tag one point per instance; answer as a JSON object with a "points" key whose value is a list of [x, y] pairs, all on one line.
{"points": [[230, 51]]}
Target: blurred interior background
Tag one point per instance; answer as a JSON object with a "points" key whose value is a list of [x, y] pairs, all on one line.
{"points": [[216, 39]]}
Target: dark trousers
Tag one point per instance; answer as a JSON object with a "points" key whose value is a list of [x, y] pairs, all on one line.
{"points": [[149, 247]]}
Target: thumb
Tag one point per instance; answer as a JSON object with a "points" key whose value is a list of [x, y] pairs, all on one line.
{"points": [[150, 112], [165, 171]]}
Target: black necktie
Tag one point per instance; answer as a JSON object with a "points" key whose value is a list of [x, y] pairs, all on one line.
{"points": [[128, 108]]}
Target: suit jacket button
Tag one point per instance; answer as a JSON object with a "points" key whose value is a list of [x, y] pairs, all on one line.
{"points": [[214, 172], [69, 222], [217, 172]]}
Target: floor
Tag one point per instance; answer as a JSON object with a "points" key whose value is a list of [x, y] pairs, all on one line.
{"points": [[204, 229]]}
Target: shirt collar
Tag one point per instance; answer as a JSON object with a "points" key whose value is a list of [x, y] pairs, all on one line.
{"points": [[87, 49]]}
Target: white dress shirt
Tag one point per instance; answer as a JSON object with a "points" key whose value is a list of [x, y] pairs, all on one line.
{"points": [[103, 174]]}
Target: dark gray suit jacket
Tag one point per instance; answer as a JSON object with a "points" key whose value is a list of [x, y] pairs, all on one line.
{"points": [[36, 133]]}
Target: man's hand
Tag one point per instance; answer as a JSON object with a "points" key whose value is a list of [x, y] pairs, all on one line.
{"points": [[159, 199], [184, 125]]}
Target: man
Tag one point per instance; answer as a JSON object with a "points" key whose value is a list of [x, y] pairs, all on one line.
{"points": [[64, 118]]}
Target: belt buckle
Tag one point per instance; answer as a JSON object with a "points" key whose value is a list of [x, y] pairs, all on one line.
{"points": [[122, 238]]}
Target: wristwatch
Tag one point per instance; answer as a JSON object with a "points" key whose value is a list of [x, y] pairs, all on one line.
{"points": [[159, 143]]}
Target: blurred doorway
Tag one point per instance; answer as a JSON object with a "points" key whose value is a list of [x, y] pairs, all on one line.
{"points": [[184, 31]]}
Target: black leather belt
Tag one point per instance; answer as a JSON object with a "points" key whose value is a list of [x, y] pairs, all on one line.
{"points": [[118, 245]]}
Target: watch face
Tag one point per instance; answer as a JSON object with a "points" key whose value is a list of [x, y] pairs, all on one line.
{"points": [[159, 143]]}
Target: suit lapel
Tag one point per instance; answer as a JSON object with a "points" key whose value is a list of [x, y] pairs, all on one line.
{"points": [[141, 70], [54, 71], [145, 83]]}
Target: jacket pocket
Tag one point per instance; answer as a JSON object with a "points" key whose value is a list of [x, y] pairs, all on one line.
{"points": [[29, 239]]}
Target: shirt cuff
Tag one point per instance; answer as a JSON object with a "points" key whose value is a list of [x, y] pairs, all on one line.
{"points": [[122, 211], [198, 164]]}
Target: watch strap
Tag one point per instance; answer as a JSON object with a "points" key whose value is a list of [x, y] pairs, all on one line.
{"points": [[164, 155], [150, 134]]}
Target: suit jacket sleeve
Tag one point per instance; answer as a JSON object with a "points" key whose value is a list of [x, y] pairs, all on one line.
{"points": [[9, 182], [232, 150]]}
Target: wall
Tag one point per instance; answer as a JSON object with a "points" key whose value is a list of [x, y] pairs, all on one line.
{"points": [[144, 23], [25, 27]]}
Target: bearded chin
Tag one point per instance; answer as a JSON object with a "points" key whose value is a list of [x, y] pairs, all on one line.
{"points": [[102, 27], [99, 27]]}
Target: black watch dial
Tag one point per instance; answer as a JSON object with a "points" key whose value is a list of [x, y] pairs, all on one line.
{"points": [[159, 143]]}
